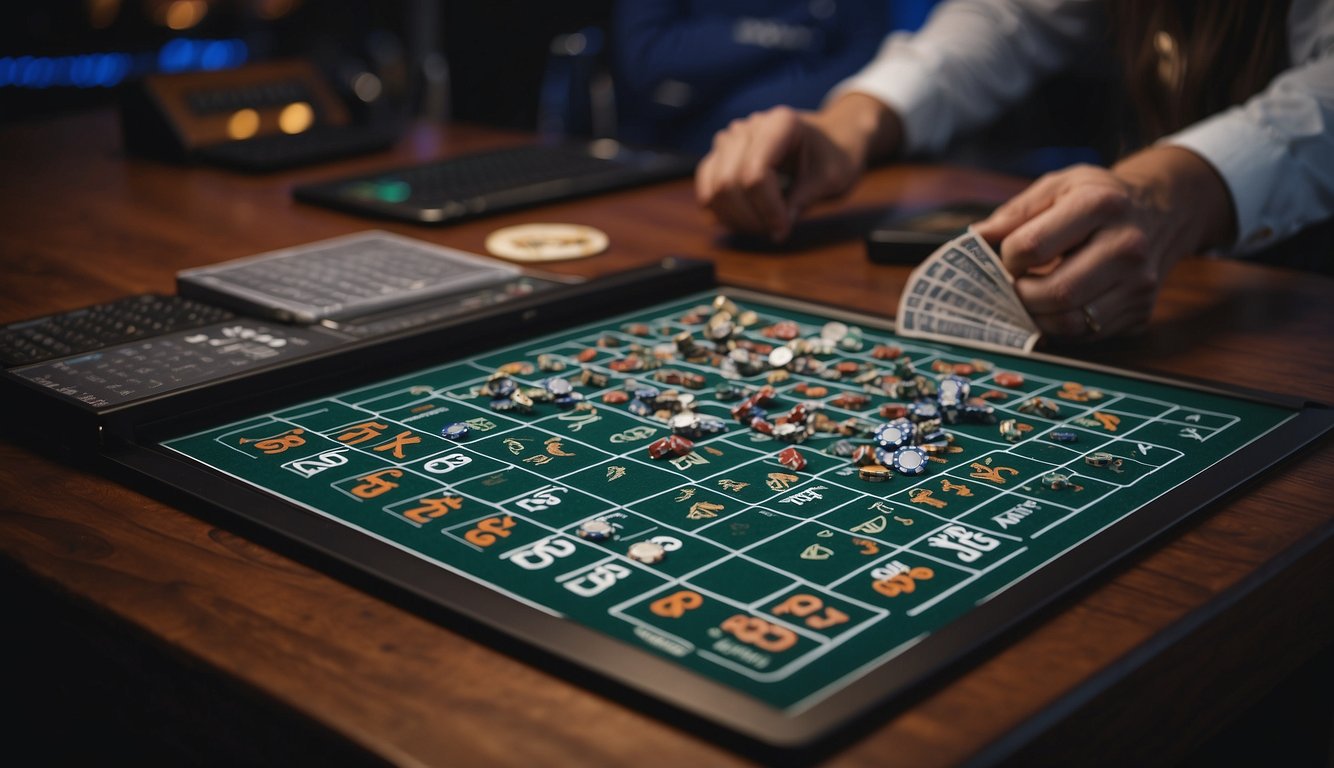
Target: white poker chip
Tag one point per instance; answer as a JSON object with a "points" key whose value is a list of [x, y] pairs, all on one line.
{"points": [[647, 552], [546, 242]]}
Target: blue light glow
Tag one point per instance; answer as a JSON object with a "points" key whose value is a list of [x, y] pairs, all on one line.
{"points": [[104, 70]]}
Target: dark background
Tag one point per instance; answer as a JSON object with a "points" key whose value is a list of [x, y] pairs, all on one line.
{"points": [[65, 55]]}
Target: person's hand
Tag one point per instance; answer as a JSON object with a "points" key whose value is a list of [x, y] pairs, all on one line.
{"points": [[764, 170], [1090, 247]]}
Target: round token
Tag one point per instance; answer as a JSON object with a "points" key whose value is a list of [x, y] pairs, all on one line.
{"points": [[954, 390], [1099, 459], [456, 431], [923, 410], [780, 357], [893, 411], [791, 458], [596, 529], [1056, 480], [844, 448], [895, 434], [646, 552], [909, 460], [1063, 436], [660, 448], [834, 331], [1009, 379], [873, 473], [546, 242]]}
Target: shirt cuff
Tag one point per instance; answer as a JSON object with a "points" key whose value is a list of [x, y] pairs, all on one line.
{"points": [[1251, 161], [904, 84]]}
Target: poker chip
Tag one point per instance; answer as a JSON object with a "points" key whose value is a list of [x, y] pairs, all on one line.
{"points": [[923, 410], [456, 431], [791, 458], [954, 390], [1099, 459], [557, 386], [895, 434], [648, 552], [660, 448], [834, 331], [845, 449], [873, 473], [1063, 436], [596, 529], [546, 242], [909, 460], [1009, 379], [864, 455], [1056, 480]]}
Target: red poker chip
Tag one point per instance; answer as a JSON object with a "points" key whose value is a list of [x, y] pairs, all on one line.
{"points": [[791, 458]]}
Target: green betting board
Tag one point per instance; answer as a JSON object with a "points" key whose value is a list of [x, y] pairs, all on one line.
{"points": [[786, 585]]}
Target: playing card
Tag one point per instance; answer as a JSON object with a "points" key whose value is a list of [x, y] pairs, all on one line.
{"points": [[962, 291]]}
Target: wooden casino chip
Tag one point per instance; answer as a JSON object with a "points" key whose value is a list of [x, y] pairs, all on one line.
{"points": [[546, 242]]}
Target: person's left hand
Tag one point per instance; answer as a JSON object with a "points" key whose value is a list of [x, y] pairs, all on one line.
{"points": [[1090, 247]]}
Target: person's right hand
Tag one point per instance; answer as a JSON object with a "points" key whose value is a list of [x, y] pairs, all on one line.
{"points": [[764, 170]]}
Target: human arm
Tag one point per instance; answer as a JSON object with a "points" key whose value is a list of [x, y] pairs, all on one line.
{"points": [[1238, 180], [920, 91], [1090, 246], [765, 169]]}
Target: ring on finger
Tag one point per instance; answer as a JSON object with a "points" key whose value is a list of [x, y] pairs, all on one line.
{"points": [[1091, 320]]}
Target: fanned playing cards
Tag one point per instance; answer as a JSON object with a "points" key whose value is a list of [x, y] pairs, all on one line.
{"points": [[962, 291]]}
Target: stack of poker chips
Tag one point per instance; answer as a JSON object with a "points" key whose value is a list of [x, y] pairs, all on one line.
{"points": [[507, 395]]}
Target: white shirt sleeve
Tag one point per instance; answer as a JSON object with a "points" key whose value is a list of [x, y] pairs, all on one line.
{"points": [[989, 53], [1276, 151]]}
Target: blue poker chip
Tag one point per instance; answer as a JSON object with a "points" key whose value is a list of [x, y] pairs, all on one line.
{"points": [[843, 448], [954, 389], [939, 437], [639, 408], [557, 386], [895, 434], [1063, 436], [884, 456], [909, 460], [923, 410], [503, 404], [979, 414], [712, 425], [647, 393], [456, 431], [503, 386]]}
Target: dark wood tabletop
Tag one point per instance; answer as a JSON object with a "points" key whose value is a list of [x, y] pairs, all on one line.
{"points": [[161, 633]]}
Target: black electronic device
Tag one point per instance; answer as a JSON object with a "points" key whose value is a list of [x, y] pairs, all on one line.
{"points": [[341, 278], [263, 117], [909, 234], [102, 368], [102, 325], [480, 183]]}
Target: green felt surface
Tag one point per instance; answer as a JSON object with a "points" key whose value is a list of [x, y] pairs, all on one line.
{"points": [[785, 585]]}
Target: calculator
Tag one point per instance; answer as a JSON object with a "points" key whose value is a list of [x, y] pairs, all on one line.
{"points": [[341, 278]]}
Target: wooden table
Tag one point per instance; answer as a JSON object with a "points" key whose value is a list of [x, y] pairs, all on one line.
{"points": [[144, 630]]}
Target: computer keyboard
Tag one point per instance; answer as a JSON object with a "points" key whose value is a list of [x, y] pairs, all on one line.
{"points": [[341, 278], [479, 183], [102, 325]]}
